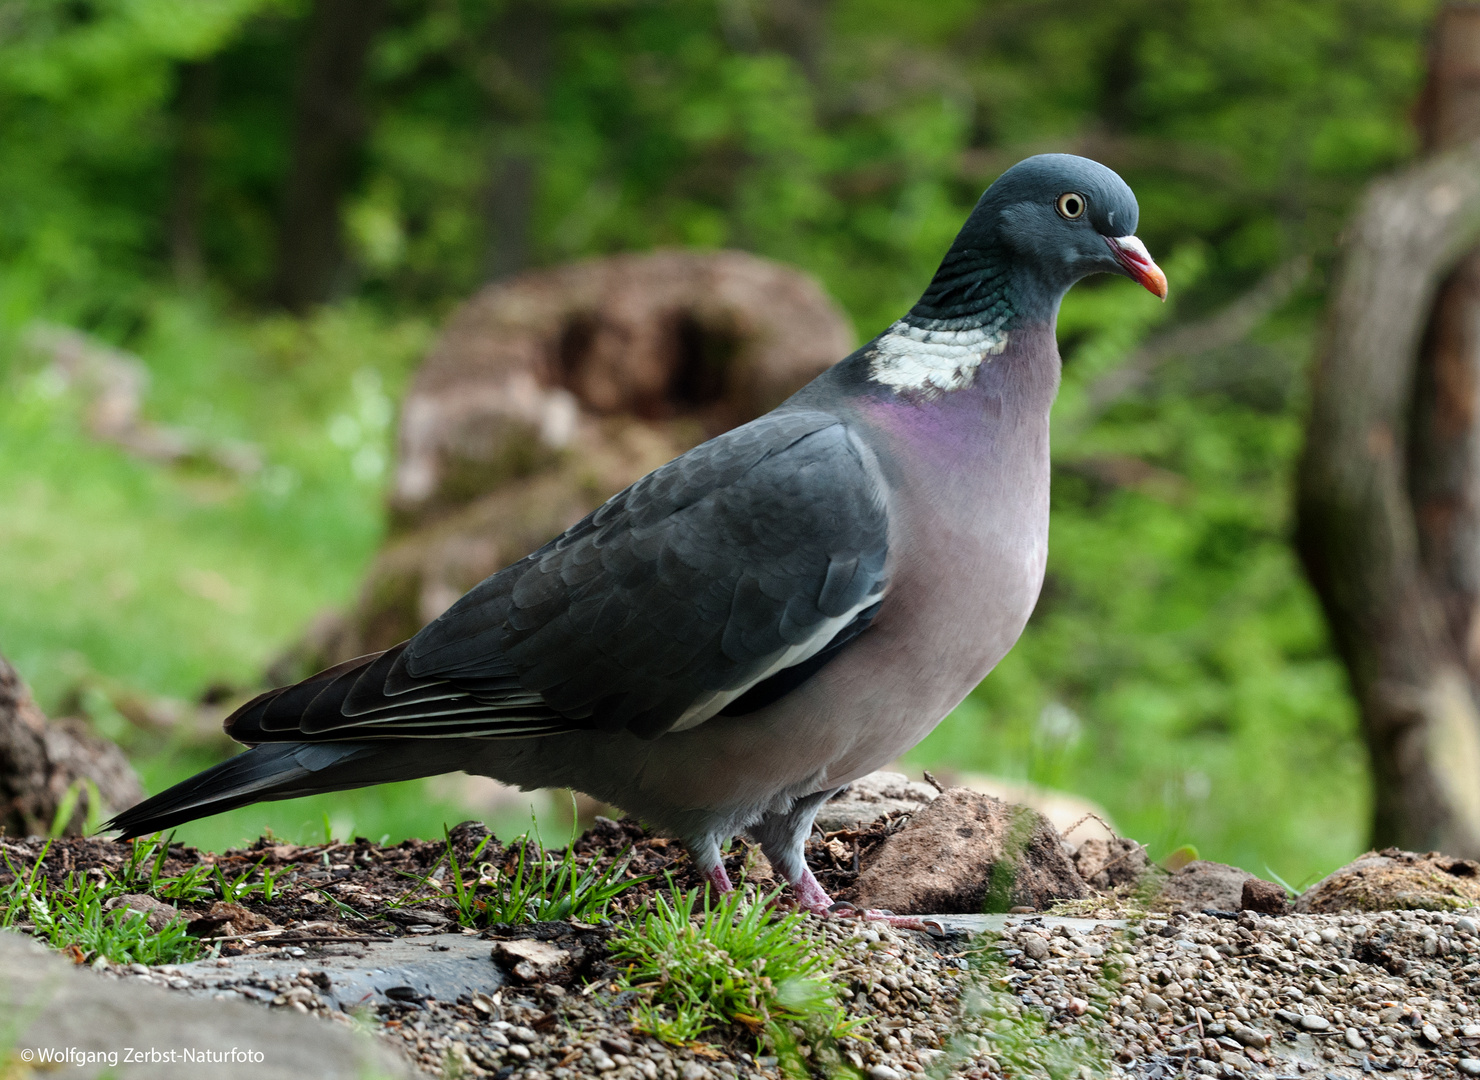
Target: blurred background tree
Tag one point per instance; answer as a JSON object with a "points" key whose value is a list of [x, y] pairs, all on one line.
{"points": [[274, 202]]}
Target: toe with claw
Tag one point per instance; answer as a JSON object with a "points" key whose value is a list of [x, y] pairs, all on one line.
{"points": [[811, 897]]}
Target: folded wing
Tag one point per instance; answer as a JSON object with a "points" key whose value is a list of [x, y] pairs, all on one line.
{"points": [[718, 582]]}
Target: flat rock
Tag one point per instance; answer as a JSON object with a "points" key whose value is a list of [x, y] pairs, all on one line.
{"points": [[1202, 886], [1393, 880], [965, 853], [871, 797], [440, 966], [62, 1009]]}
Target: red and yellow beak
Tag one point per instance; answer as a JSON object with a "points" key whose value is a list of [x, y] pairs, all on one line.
{"points": [[1131, 254]]}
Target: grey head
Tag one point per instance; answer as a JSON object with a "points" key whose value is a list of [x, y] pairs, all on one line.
{"points": [[1044, 224], [1047, 222]]}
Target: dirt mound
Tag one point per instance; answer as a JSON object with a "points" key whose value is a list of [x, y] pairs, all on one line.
{"points": [[1394, 880], [965, 853]]}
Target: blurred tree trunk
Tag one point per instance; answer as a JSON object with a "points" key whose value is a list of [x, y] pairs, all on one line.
{"points": [[328, 124], [1445, 474], [516, 83], [194, 100], [1389, 484]]}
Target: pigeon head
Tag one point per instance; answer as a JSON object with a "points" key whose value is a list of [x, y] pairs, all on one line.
{"points": [[1044, 224], [1047, 222], [1065, 217]]}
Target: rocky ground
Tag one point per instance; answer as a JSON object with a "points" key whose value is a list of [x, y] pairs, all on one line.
{"points": [[1251, 995], [903, 987], [1293, 995], [1140, 972]]}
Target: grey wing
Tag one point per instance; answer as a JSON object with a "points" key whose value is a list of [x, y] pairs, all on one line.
{"points": [[736, 566]]}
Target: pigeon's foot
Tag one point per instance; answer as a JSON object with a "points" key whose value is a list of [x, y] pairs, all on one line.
{"points": [[810, 896], [903, 922], [846, 910]]}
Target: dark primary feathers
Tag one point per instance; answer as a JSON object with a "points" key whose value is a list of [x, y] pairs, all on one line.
{"points": [[668, 603]]}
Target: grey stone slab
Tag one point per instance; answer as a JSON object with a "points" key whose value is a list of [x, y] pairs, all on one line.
{"points": [[441, 966], [59, 1019]]}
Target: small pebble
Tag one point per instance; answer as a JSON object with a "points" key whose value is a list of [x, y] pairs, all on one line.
{"points": [[882, 1072], [1431, 1033], [1354, 1039], [1470, 1066], [1250, 1037], [1312, 1022], [1154, 1003]]}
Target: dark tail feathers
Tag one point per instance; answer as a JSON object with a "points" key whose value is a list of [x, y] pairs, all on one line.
{"points": [[287, 771]]}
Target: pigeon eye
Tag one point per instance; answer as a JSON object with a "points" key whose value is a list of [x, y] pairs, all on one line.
{"points": [[1071, 205]]}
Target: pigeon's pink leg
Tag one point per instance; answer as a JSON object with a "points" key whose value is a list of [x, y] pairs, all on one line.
{"points": [[718, 880]]}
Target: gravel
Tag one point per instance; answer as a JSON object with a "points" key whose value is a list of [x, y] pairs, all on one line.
{"points": [[1316, 996], [1251, 995], [1319, 995]]}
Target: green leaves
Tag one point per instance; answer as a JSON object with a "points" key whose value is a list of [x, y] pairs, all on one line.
{"points": [[72, 916]]}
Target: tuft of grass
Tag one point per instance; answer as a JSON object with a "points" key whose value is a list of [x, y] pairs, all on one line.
{"points": [[734, 962], [73, 917], [235, 890], [537, 887]]}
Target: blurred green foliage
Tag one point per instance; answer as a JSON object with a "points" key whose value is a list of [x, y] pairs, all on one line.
{"points": [[1177, 669]]}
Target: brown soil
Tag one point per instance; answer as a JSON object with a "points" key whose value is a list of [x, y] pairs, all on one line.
{"points": [[360, 889]]}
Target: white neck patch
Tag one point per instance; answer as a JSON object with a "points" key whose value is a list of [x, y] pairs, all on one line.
{"points": [[932, 362]]}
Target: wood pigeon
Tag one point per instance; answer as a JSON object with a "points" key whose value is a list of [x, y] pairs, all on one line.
{"points": [[779, 611]]}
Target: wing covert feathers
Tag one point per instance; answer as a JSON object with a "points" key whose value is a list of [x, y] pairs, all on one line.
{"points": [[753, 554]]}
